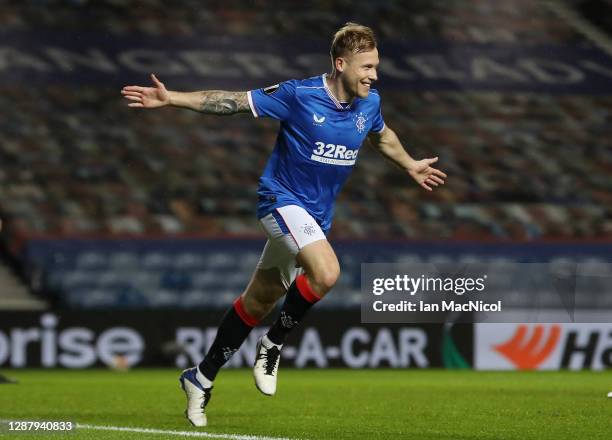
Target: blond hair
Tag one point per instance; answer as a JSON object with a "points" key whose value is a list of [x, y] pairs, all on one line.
{"points": [[352, 38]]}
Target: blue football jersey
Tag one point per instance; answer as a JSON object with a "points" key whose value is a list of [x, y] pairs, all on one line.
{"points": [[317, 146]]}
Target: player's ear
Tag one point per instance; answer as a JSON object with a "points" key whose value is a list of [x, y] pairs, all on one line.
{"points": [[339, 64]]}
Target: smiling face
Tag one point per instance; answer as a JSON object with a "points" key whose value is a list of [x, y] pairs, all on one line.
{"points": [[358, 72]]}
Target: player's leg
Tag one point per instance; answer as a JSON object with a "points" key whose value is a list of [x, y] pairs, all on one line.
{"points": [[321, 266], [260, 296], [321, 271], [307, 247], [262, 292]]}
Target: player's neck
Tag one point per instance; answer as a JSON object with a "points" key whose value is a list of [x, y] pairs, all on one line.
{"points": [[337, 89]]}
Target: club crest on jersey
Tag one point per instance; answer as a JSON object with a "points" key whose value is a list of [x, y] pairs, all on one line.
{"points": [[271, 89], [360, 121]]}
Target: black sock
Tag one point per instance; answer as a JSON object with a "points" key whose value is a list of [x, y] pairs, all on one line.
{"points": [[300, 298], [233, 330]]}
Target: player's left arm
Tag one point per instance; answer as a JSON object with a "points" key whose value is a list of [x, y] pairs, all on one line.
{"points": [[389, 145]]}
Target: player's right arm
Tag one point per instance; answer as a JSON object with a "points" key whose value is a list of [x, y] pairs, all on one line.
{"points": [[212, 102]]}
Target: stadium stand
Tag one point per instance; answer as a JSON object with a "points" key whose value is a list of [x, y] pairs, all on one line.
{"points": [[524, 166]]}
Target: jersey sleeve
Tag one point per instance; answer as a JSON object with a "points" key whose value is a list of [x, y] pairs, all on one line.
{"points": [[378, 124], [274, 101]]}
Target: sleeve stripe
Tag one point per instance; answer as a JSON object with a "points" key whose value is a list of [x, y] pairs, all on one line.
{"points": [[382, 129], [251, 104]]}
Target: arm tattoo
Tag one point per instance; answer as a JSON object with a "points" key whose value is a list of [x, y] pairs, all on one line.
{"points": [[217, 102]]}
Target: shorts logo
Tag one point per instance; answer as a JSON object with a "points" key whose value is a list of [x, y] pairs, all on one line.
{"points": [[308, 229], [271, 89], [360, 122]]}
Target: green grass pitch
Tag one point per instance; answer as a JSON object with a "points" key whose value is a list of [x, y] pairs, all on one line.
{"points": [[322, 404]]}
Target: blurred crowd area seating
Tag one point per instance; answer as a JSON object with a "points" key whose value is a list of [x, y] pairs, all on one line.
{"points": [[76, 162], [521, 166], [209, 273], [453, 20]]}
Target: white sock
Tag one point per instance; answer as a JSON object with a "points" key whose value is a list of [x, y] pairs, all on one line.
{"points": [[202, 379]]}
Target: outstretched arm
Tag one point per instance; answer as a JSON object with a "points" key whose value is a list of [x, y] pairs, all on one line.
{"points": [[213, 102], [388, 144]]}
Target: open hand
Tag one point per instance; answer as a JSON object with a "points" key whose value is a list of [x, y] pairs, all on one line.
{"points": [[425, 175], [147, 97]]}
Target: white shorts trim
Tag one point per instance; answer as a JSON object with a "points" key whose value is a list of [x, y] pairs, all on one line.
{"points": [[289, 229]]}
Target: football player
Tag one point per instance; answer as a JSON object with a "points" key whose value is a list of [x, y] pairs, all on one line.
{"points": [[324, 121]]}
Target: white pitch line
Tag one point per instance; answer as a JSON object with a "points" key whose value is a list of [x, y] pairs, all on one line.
{"points": [[181, 433]]}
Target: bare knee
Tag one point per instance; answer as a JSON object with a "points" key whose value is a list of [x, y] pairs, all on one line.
{"points": [[323, 280], [321, 266]]}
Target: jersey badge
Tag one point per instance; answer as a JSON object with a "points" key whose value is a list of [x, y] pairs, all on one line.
{"points": [[360, 121]]}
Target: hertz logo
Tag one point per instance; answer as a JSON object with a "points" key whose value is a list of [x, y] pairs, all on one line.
{"points": [[574, 346], [527, 352]]}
